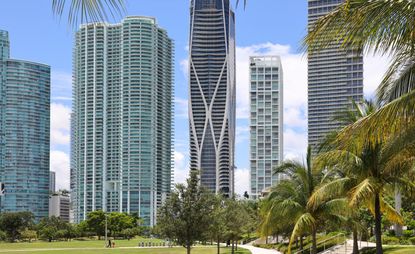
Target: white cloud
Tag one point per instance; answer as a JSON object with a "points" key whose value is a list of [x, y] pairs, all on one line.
{"points": [[295, 143], [60, 124], [181, 109], [184, 67], [241, 181], [59, 162], [241, 133], [61, 85], [181, 169], [375, 67]]}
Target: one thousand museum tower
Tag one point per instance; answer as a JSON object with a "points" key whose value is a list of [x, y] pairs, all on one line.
{"points": [[212, 93]]}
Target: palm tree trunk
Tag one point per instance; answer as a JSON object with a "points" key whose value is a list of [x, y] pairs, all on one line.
{"points": [[378, 225], [355, 242], [398, 206], [301, 243], [314, 239]]}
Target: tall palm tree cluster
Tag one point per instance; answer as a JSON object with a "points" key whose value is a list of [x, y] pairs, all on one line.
{"points": [[365, 163]]}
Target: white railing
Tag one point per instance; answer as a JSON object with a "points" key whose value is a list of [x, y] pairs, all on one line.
{"points": [[338, 242]]}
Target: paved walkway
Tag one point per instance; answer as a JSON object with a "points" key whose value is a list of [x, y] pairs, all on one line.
{"points": [[256, 250]]}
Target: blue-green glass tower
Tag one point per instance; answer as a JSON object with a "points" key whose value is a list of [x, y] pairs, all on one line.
{"points": [[24, 133], [122, 118]]}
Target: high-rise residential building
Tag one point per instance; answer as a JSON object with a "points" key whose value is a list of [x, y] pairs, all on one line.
{"points": [[335, 79], [24, 133], [266, 121], [52, 182], [59, 205], [122, 118], [212, 93]]}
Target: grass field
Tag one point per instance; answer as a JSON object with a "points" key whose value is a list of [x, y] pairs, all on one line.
{"points": [[394, 250], [76, 244], [97, 247]]}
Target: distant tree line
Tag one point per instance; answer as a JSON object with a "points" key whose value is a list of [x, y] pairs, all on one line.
{"points": [[21, 226]]}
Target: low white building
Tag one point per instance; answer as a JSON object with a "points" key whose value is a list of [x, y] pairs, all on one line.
{"points": [[59, 206]]}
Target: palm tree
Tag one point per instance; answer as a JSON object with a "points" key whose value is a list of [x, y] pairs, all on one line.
{"points": [[386, 27], [367, 173], [88, 10], [287, 202]]}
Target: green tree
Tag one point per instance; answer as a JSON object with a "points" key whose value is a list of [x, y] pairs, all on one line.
{"points": [[119, 221], [48, 228], [217, 228], [13, 223], [236, 220], [129, 233], [28, 235], [95, 222], [186, 215]]}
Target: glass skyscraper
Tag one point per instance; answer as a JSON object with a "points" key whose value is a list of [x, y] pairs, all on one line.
{"points": [[122, 118], [266, 121], [212, 93], [24, 133], [335, 78]]}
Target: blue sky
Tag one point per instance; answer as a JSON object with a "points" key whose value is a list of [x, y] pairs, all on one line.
{"points": [[265, 27]]}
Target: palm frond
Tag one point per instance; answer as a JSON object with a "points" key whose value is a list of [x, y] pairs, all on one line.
{"points": [[399, 79], [335, 207], [384, 26], [327, 191], [391, 119], [389, 212], [288, 168], [80, 11], [303, 224], [245, 2], [362, 192]]}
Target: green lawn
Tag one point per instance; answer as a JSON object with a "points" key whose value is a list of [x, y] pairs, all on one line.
{"points": [[76, 244], [96, 247], [394, 250]]}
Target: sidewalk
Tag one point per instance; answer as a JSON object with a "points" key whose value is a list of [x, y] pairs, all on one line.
{"points": [[256, 250]]}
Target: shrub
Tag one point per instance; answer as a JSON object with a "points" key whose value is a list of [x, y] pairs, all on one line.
{"points": [[390, 240], [412, 240], [408, 233], [3, 236]]}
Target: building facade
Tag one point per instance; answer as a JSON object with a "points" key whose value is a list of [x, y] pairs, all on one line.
{"points": [[24, 133], [59, 205], [52, 182], [122, 118], [335, 78], [212, 93], [266, 121]]}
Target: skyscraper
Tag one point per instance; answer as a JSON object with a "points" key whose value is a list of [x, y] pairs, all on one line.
{"points": [[335, 78], [24, 133], [212, 93], [266, 121], [122, 118], [52, 181]]}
